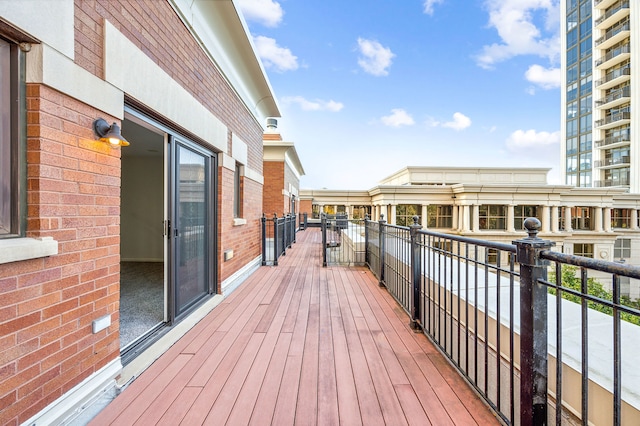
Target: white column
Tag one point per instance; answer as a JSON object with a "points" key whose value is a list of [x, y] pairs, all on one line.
{"points": [[634, 219], [455, 221], [475, 218], [392, 219], [465, 218], [607, 219], [555, 217], [510, 218], [567, 219], [597, 219], [425, 219], [385, 211], [545, 219]]}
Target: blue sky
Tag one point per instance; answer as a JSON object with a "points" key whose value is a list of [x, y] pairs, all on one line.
{"points": [[366, 88]]}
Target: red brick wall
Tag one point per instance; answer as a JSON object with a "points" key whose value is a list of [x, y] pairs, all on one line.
{"points": [[273, 186], [47, 305], [306, 206], [245, 240], [154, 27]]}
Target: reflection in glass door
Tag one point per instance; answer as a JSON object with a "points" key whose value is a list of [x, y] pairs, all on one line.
{"points": [[191, 216]]}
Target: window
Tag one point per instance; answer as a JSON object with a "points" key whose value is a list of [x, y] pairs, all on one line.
{"points": [[585, 123], [439, 216], [359, 212], [12, 134], [622, 248], [585, 142], [405, 214], [520, 213], [491, 256], [581, 218], [620, 218], [572, 56], [585, 105], [572, 128], [493, 216], [572, 37], [585, 250], [237, 191]]}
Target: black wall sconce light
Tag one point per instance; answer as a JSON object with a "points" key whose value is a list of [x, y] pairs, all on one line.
{"points": [[109, 134]]}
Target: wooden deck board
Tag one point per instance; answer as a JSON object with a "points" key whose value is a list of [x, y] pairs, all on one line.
{"points": [[301, 344]]}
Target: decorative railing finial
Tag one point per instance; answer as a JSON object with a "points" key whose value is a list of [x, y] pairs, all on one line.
{"points": [[532, 225]]}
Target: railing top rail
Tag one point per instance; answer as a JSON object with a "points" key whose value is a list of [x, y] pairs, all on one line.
{"points": [[621, 269], [490, 244]]}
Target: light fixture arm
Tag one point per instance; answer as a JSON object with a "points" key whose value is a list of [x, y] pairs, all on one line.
{"points": [[110, 134]]}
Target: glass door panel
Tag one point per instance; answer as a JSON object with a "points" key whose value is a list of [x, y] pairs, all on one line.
{"points": [[191, 219]]}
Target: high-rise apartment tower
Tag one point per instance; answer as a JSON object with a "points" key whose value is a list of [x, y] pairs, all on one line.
{"points": [[601, 93]]}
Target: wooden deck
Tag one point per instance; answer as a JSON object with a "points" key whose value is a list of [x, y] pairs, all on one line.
{"points": [[301, 344]]}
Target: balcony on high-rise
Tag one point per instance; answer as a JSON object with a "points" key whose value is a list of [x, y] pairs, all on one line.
{"points": [[613, 35], [615, 98], [615, 55], [613, 13], [613, 120]]}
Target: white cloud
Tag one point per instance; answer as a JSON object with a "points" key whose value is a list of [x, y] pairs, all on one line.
{"points": [[526, 139], [515, 22], [316, 105], [397, 118], [375, 58], [429, 4], [272, 55], [267, 12], [459, 122], [546, 78]]}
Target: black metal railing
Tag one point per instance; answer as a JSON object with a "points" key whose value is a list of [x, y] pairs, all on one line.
{"points": [[480, 301], [302, 221], [278, 234], [342, 240]]}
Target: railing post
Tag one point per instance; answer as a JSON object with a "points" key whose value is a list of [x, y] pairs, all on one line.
{"points": [[533, 325], [292, 218], [284, 235], [305, 217], [275, 240], [415, 278], [264, 239], [366, 240], [323, 222], [381, 240]]}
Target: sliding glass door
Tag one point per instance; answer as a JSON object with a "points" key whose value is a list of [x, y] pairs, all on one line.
{"points": [[192, 224]]}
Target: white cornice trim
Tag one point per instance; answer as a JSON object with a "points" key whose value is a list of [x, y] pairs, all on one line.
{"points": [[224, 36]]}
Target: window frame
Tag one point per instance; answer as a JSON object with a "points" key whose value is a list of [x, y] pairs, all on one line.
{"points": [[620, 218], [492, 217], [582, 221], [622, 248], [13, 209], [405, 214], [238, 191], [583, 249], [521, 212], [440, 216]]}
